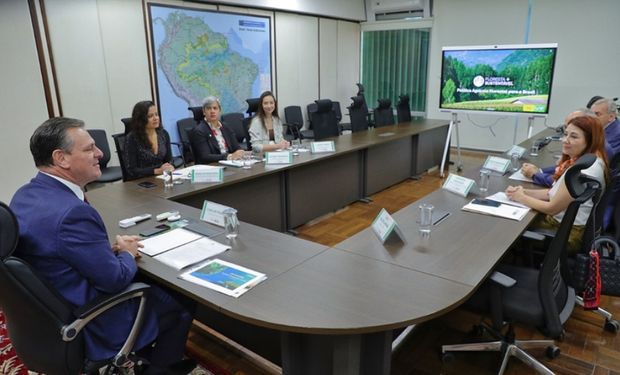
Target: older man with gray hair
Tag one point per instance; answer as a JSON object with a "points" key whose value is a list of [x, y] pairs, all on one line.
{"points": [[607, 112]]}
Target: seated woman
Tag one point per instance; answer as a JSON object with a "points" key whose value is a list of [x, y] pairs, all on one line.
{"points": [[147, 146], [582, 135], [210, 139], [266, 127]]}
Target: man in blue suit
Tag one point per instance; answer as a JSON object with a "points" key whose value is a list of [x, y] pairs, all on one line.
{"points": [[65, 240], [607, 111]]}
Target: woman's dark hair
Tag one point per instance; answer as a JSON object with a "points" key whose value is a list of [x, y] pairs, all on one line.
{"points": [[261, 111], [139, 119]]}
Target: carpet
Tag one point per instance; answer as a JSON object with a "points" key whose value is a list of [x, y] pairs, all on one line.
{"points": [[9, 363]]}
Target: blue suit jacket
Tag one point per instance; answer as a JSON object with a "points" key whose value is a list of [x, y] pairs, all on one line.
{"points": [[65, 240], [612, 136]]}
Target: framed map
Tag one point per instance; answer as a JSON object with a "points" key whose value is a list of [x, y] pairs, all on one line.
{"points": [[198, 52]]}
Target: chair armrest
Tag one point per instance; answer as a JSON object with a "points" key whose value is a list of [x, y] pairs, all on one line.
{"points": [[100, 305], [502, 279]]}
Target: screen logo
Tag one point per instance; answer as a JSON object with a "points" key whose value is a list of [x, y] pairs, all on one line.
{"points": [[478, 81]]}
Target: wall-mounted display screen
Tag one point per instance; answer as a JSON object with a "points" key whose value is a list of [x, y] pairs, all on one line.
{"points": [[502, 78]]}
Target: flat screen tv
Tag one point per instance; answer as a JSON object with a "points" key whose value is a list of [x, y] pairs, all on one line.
{"points": [[503, 78]]}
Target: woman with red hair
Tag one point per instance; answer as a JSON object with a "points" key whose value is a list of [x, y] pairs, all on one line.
{"points": [[583, 135]]}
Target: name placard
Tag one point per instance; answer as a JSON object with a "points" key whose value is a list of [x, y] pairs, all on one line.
{"points": [[279, 157], [516, 150], [385, 227], [325, 146], [213, 213], [497, 164], [207, 173], [458, 184]]}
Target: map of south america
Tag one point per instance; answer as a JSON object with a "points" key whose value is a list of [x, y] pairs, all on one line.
{"points": [[198, 62]]}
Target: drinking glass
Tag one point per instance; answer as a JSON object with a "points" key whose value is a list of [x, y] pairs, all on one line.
{"points": [[247, 159], [534, 150], [426, 218], [485, 176], [168, 181], [231, 223], [514, 162]]}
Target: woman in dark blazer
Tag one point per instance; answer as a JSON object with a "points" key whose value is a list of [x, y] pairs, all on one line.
{"points": [[210, 139], [147, 147]]}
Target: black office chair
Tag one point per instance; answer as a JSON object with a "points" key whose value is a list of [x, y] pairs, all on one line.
{"points": [[119, 143], [310, 110], [253, 104], [294, 121], [45, 330], [403, 111], [360, 93], [324, 120], [358, 114], [540, 298], [384, 115], [197, 113], [108, 174], [342, 126], [184, 126], [127, 123], [235, 122]]}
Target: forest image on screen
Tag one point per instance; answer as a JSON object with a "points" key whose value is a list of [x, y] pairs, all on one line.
{"points": [[497, 79]]}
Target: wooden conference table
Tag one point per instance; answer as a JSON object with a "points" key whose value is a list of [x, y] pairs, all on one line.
{"points": [[334, 308]]}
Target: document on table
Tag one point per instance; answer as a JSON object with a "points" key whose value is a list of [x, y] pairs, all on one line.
{"points": [[191, 253], [167, 241], [501, 197], [224, 277], [519, 176], [238, 163], [504, 210]]}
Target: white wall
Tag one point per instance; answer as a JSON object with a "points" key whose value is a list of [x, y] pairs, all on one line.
{"points": [[345, 9], [22, 99], [586, 64]]}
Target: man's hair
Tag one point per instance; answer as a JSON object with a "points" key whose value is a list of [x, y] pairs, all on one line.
{"points": [[610, 104], [50, 136]]}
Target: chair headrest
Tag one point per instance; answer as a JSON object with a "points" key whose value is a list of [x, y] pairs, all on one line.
{"points": [[384, 103], [323, 105], [360, 89], [9, 231], [403, 99], [252, 105], [579, 184], [197, 113]]}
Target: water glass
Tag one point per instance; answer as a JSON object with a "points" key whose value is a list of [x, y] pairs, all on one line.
{"points": [[231, 223], [168, 180], [514, 162], [247, 160], [534, 150], [485, 176], [426, 218]]}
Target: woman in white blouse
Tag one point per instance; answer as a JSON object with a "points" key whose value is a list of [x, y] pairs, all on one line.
{"points": [[266, 127]]}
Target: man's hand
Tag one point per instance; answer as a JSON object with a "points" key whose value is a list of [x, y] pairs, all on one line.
{"points": [[529, 170], [128, 243]]}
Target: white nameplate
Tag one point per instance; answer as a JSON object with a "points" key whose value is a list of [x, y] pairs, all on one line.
{"points": [[516, 150], [325, 146], [385, 227], [459, 185], [279, 157], [497, 164], [207, 173], [213, 213]]}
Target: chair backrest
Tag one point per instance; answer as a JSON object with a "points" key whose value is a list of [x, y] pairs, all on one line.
{"points": [[403, 111], [197, 113], [101, 140], [235, 122], [310, 110], [384, 115], [127, 123], [358, 114], [337, 110], [293, 116], [34, 312], [253, 104], [119, 143], [324, 120], [552, 282], [184, 126]]}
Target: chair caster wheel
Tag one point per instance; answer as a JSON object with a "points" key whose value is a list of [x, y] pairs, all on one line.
{"points": [[552, 352], [447, 357], [611, 326]]}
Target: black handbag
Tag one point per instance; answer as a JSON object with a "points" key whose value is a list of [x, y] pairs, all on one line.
{"points": [[609, 255]]}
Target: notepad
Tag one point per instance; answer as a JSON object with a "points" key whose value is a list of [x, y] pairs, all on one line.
{"points": [[504, 210], [167, 241], [191, 253]]}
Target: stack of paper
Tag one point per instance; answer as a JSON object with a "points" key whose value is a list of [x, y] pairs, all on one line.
{"points": [[191, 253], [169, 240], [238, 163], [224, 277], [507, 211]]}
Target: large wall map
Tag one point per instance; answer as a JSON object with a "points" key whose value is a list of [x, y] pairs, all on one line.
{"points": [[198, 53]]}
